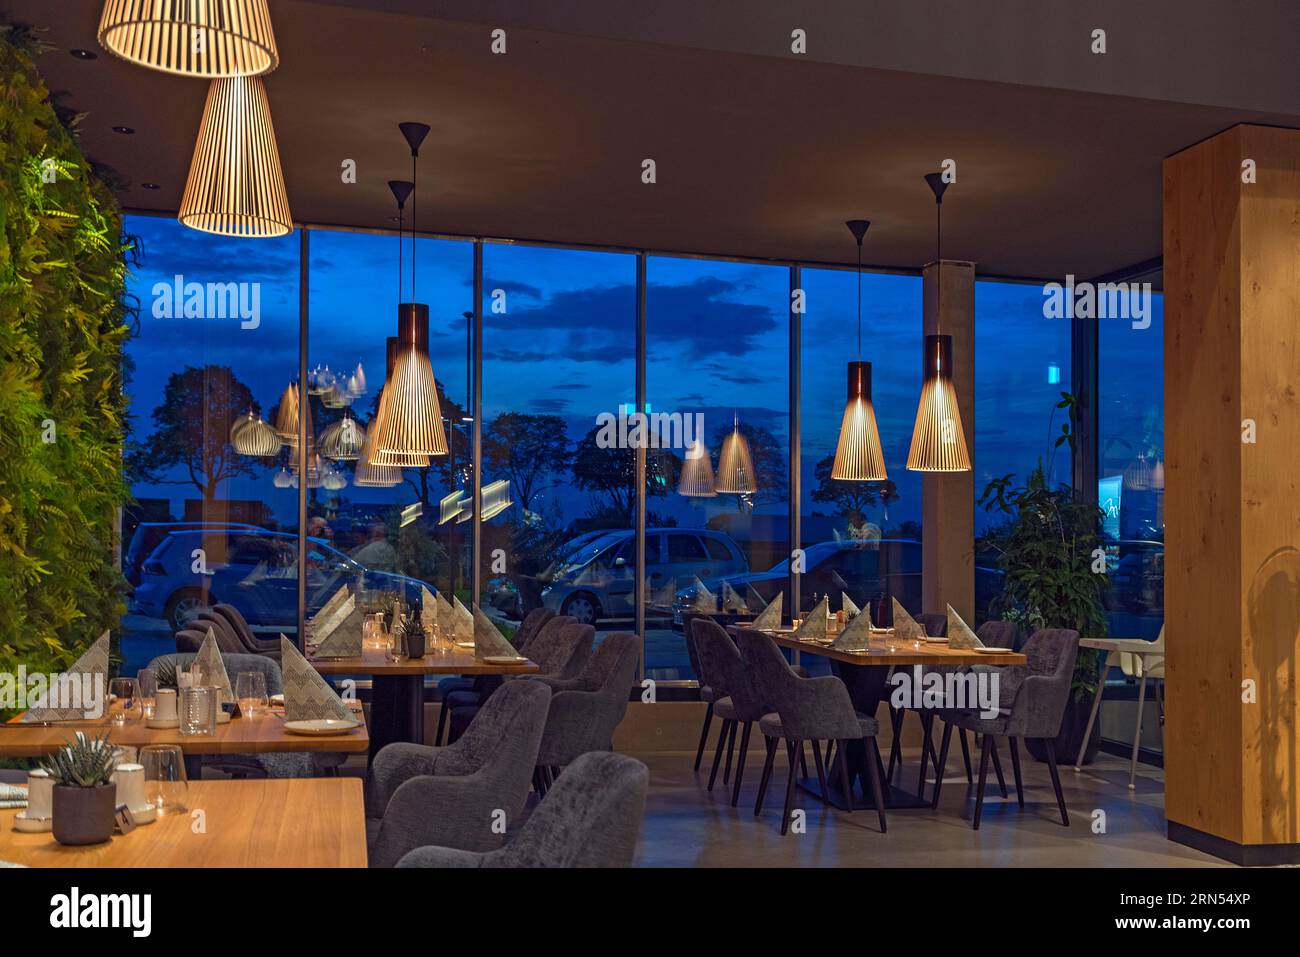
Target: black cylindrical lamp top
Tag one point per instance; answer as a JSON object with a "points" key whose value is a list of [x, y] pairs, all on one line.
{"points": [[936, 359], [413, 325], [860, 380]]}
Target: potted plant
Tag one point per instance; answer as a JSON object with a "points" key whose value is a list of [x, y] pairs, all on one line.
{"points": [[85, 798], [1049, 551], [412, 637]]}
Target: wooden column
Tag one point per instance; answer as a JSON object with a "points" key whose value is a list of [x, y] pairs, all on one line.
{"points": [[1232, 551], [948, 498]]}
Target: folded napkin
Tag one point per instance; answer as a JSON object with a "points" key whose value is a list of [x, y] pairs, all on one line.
{"points": [[769, 619], [11, 795], [428, 606], [705, 600], [850, 607], [732, 602], [463, 626], [488, 641], [91, 679], [814, 626], [856, 635], [326, 610], [754, 600], [906, 628], [341, 636], [445, 615], [959, 633], [307, 696], [208, 663]]}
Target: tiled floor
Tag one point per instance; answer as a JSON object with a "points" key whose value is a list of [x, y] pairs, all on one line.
{"points": [[1110, 826]]}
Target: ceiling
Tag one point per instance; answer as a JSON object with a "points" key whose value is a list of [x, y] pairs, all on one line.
{"points": [[758, 154]]}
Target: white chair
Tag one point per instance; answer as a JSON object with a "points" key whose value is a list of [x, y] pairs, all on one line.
{"points": [[1139, 659]]}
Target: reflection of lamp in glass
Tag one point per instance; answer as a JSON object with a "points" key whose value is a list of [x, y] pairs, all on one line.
{"points": [[370, 474], [343, 440], [1137, 476], [938, 439], [286, 419], [858, 457], [357, 382], [252, 436], [202, 38], [735, 467], [235, 186], [283, 478], [697, 472], [495, 497], [1158, 475]]}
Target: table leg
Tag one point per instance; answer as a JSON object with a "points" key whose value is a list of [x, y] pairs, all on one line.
{"points": [[1092, 715], [1137, 731], [396, 710]]}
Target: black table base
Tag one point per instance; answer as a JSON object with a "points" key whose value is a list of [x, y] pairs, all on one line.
{"points": [[396, 710]]}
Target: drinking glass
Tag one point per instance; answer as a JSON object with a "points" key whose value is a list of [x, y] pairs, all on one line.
{"points": [[250, 692], [126, 705], [147, 681], [165, 784]]}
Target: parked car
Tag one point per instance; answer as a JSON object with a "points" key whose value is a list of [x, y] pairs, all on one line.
{"points": [[147, 535], [599, 579], [254, 570]]}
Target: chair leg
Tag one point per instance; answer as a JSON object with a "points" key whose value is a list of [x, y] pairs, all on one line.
{"points": [[1050, 746], [821, 771], [1092, 715], [997, 769], [539, 782], [1015, 769], [792, 748], [895, 746], [873, 774], [846, 783], [803, 762], [767, 776], [442, 722], [830, 753], [731, 749], [1137, 734], [926, 748], [987, 747], [965, 755], [880, 769], [740, 762], [704, 735], [942, 764], [717, 755]]}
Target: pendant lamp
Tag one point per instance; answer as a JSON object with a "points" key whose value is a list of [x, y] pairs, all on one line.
{"points": [[236, 187], [735, 467], [411, 425], [286, 419], [200, 38], [697, 473], [343, 440], [369, 474], [858, 456], [250, 435], [938, 439]]}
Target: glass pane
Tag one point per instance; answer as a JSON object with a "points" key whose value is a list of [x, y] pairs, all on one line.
{"points": [[218, 337], [717, 360]]}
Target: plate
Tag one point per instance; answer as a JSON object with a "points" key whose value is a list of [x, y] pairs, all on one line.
{"points": [[505, 659], [992, 651], [321, 727], [32, 825], [277, 699]]}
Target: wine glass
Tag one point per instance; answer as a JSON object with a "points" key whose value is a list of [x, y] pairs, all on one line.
{"points": [[250, 692], [165, 784], [126, 703], [147, 682]]}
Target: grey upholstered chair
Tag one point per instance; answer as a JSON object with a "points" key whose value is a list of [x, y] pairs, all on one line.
{"points": [[531, 627], [707, 693], [586, 710], [807, 709], [741, 704], [591, 818], [418, 795], [295, 764], [936, 626], [239, 625], [935, 623], [992, 634], [189, 641], [1032, 700]]}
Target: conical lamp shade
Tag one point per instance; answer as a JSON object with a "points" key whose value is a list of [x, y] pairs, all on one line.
{"points": [[858, 457], [236, 187], [697, 473], [251, 436], [202, 38], [286, 419], [938, 439], [412, 422], [735, 468], [367, 472]]}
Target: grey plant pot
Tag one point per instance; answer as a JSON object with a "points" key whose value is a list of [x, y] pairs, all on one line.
{"points": [[84, 815], [415, 645]]}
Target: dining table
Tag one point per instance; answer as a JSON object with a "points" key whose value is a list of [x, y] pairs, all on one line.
{"points": [[397, 685], [865, 675], [271, 822]]}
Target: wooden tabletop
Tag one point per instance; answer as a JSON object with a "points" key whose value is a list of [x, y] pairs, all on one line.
{"points": [[275, 822], [930, 653], [260, 734], [459, 662]]}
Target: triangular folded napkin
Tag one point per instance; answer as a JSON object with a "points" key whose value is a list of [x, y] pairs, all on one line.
{"points": [[327, 610], [769, 619], [307, 696], [463, 625], [754, 600], [428, 606], [488, 641], [705, 600], [340, 637], [731, 601], [814, 626], [906, 628], [856, 635], [446, 615], [959, 633], [850, 607], [90, 676], [212, 669]]}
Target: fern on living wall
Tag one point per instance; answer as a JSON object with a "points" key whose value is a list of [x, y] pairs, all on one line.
{"points": [[62, 330]]}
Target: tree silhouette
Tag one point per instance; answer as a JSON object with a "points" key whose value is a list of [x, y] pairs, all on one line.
{"points": [[527, 448], [852, 498], [611, 472], [192, 429]]}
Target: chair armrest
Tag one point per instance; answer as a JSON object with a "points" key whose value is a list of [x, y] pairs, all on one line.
{"points": [[440, 857], [449, 812], [393, 766], [1039, 706], [577, 722]]}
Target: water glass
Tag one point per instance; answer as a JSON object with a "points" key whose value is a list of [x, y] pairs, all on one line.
{"points": [[147, 682], [126, 703], [165, 784], [250, 692]]}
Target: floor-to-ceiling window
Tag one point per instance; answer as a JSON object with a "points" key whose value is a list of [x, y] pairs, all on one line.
{"points": [[717, 390], [559, 498], [214, 520]]}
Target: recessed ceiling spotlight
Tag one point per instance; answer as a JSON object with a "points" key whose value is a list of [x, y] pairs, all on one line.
{"points": [[124, 130], [84, 54], [150, 185]]}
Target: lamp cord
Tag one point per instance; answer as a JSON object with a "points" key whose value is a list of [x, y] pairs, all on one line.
{"points": [[859, 300], [413, 155]]}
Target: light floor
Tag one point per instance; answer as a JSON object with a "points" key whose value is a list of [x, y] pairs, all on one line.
{"points": [[686, 826]]}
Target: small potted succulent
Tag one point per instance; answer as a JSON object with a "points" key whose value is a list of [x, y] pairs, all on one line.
{"points": [[413, 635], [85, 797]]}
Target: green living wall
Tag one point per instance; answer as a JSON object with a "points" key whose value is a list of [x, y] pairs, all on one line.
{"points": [[62, 329]]}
